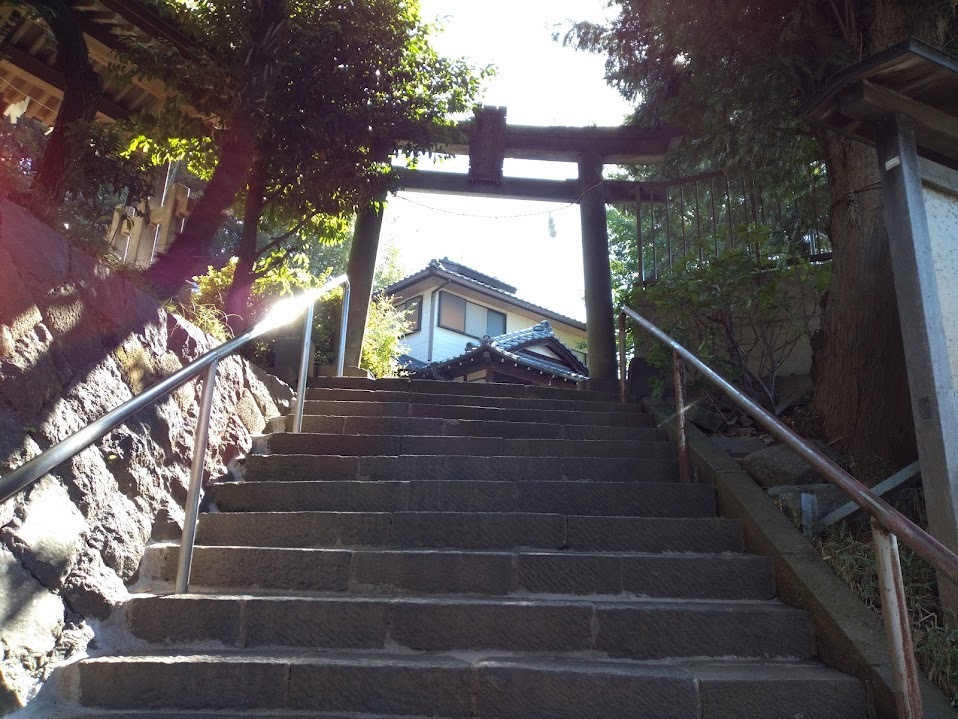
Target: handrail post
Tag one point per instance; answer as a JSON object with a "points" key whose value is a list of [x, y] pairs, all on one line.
{"points": [[191, 515], [897, 624], [341, 356], [678, 372], [623, 374], [304, 359]]}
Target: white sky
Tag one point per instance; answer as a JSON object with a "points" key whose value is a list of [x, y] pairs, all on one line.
{"points": [[541, 83]]}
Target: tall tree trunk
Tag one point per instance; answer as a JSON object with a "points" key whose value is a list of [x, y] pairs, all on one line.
{"points": [[64, 153], [237, 299], [861, 389], [189, 252]]}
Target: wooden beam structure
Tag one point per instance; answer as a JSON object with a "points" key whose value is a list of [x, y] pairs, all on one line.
{"points": [[523, 188], [617, 145], [28, 69]]}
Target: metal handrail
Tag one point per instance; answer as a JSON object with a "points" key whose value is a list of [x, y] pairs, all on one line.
{"points": [[283, 312], [888, 524]]}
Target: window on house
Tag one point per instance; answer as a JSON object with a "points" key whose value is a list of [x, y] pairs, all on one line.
{"points": [[459, 315], [413, 310]]}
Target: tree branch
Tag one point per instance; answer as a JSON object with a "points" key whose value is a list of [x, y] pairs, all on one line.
{"points": [[276, 241]]}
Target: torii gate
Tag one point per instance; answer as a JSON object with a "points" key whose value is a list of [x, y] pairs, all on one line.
{"points": [[488, 140]]}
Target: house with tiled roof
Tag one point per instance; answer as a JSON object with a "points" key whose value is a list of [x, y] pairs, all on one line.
{"points": [[465, 325]]}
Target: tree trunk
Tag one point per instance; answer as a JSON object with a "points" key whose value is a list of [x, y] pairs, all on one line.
{"points": [[237, 299], [64, 154], [861, 389], [189, 252]]}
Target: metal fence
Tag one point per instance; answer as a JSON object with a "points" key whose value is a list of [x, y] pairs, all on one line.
{"points": [[701, 216]]}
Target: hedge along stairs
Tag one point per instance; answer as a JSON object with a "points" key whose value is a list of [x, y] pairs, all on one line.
{"points": [[431, 549]]}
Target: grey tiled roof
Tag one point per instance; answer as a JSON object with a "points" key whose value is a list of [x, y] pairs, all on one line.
{"points": [[504, 344], [541, 331], [411, 363]]}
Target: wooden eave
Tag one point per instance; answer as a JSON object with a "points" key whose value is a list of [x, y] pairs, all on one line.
{"points": [[28, 70], [556, 346], [489, 357], [911, 78]]}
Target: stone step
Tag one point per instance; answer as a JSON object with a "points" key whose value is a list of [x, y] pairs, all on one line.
{"points": [[638, 629], [469, 530], [437, 426], [358, 408], [640, 499], [472, 389], [467, 687], [447, 571], [87, 713], [394, 445], [306, 467], [389, 396]]}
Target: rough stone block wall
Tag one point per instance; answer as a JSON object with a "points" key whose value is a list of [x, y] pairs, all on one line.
{"points": [[76, 340]]}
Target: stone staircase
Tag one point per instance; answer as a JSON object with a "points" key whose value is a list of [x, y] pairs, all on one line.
{"points": [[431, 549]]}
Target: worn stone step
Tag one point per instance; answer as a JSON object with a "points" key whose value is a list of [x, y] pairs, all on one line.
{"points": [[469, 530], [637, 629], [483, 389], [389, 445], [193, 714], [570, 404], [306, 467], [358, 408], [640, 499], [344, 424], [447, 571], [484, 687]]}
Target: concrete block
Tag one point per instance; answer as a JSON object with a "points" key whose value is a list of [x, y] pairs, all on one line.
{"points": [[434, 571], [487, 428], [357, 409], [463, 496], [471, 446], [252, 567], [430, 625], [652, 534], [760, 691], [698, 629], [185, 619], [347, 624], [434, 687], [565, 573], [204, 681], [699, 576], [334, 444], [613, 469], [603, 498], [565, 690], [392, 425], [421, 409], [299, 468]]}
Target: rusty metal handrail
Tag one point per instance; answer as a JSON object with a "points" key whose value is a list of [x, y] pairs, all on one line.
{"points": [[888, 524]]}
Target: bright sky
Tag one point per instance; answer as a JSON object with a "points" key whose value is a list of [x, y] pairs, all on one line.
{"points": [[541, 83]]}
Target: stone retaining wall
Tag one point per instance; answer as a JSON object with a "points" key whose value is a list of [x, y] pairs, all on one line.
{"points": [[76, 340]]}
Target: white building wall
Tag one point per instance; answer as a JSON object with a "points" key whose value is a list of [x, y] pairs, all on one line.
{"points": [[447, 343]]}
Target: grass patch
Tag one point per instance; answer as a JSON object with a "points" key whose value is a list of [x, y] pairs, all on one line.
{"points": [[847, 548]]}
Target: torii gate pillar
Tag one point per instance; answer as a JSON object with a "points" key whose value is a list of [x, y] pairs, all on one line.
{"points": [[597, 273]]}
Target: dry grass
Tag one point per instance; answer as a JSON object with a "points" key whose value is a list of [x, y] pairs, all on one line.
{"points": [[847, 547]]}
